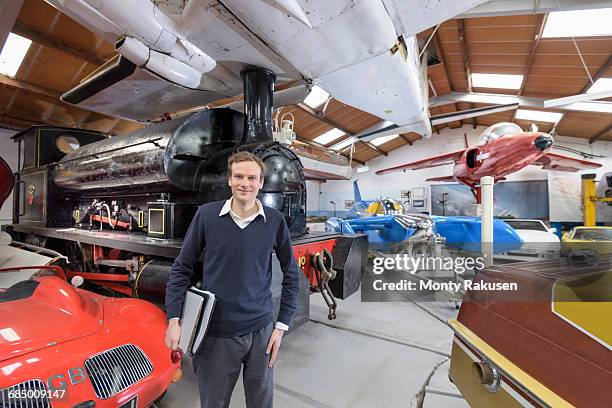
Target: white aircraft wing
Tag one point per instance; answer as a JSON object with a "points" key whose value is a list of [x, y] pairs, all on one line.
{"points": [[184, 54]]}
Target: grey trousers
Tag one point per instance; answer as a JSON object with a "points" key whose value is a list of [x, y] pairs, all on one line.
{"points": [[217, 367]]}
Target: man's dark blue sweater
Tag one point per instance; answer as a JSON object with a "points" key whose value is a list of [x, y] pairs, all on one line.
{"points": [[237, 269]]}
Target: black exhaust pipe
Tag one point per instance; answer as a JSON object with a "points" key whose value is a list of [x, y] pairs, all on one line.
{"points": [[258, 99]]}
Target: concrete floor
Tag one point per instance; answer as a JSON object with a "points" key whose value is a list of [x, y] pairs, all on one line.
{"points": [[372, 355]]}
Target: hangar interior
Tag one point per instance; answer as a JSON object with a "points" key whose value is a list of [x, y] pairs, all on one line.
{"points": [[537, 70]]}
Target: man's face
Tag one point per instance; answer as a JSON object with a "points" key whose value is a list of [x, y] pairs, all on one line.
{"points": [[246, 181]]}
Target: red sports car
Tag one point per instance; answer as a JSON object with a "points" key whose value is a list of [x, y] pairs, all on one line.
{"points": [[61, 346]]}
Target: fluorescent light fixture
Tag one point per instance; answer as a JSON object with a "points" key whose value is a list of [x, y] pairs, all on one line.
{"points": [[343, 144], [329, 136], [502, 81], [539, 116], [381, 140], [14, 51], [316, 97], [579, 23], [601, 85]]}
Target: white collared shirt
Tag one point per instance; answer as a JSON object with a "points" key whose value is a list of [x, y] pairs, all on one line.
{"points": [[242, 223]]}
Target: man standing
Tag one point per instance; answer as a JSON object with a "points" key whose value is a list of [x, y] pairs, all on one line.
{"points": [[238, 236]]}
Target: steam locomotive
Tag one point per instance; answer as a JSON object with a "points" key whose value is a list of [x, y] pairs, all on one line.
{"points": [[117, 208]]}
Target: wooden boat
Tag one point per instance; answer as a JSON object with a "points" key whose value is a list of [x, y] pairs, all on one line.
{"points": [[322, 164], [547, 344]]}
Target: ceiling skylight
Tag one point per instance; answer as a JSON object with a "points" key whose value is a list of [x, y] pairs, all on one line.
{"points": [[539, 116], [579, 23], [343, 144], [381, 140], [502, 81], [316, 97], [329, 136], [13, 53], [601, 85]]}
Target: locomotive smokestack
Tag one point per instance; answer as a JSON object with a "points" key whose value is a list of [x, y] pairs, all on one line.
{"points": [[258, 94]]}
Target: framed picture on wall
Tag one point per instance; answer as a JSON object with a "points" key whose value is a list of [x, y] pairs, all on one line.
{"points": [[418, 192], [348, 204], [405, 194], [418, 203]]}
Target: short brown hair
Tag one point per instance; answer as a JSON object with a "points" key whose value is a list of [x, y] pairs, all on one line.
{"points": [[243, 157]]}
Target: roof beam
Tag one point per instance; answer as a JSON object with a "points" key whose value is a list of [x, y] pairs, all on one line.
{"points": [[445, 66], [307, 109], [57, 44], [14, 123], [531, 102], [372, 146], [84, 120], [47, 93], [435, 93], [355, 160], [464, 52], [466, 61], [26, 122], [534, 46], [112, 126], [600, 134], [403, 136], [309, 142], [28, 86], [600, 72], [327, 121], [553, 131], [443, 60]]}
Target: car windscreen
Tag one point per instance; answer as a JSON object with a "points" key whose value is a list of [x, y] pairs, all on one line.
{"points": [[20, 290], [595, 234], [526, 225]]}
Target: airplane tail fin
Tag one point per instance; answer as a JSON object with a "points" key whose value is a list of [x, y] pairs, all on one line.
{"points": [[356, 192]]}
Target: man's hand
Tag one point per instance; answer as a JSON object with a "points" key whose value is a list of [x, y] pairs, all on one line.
{"points": [[173, 334], [274, 345]]}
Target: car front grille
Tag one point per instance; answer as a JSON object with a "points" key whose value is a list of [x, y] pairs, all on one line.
{"points": [[114, 370], [28, 394]]}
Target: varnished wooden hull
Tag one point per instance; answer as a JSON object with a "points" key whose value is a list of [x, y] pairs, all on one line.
{"points": [[548, 351]]}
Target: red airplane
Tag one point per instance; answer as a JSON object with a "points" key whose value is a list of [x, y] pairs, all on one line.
{"points": [[504, 148]]}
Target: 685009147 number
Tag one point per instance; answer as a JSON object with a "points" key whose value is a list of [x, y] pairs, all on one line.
{"points": [[36, 394]]}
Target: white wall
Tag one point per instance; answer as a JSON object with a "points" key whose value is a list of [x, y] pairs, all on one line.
{"points": [[390, 185], [564, 188], [8, 151], [312, 196]]}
